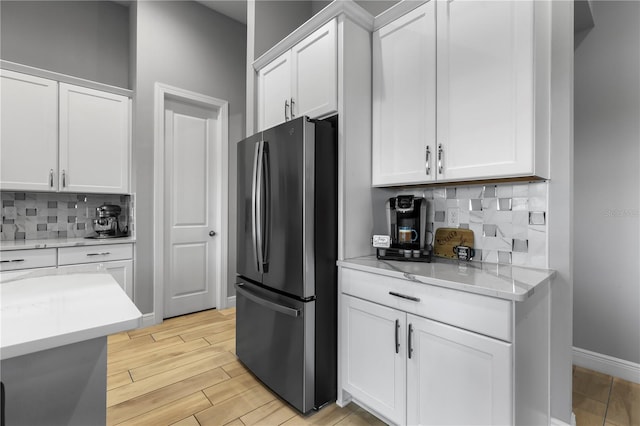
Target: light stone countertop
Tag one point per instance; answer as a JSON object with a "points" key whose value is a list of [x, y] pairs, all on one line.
{"points": [[490, 279], [40, 311], [61, 242]]}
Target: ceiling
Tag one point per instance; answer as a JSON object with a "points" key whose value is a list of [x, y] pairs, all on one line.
{"points": [[234, 9]]}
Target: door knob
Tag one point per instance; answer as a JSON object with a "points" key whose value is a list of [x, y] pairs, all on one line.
{"points": [[212, 233]]}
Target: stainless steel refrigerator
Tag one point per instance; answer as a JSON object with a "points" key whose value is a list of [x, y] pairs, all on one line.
{"points": [[286, 289]]}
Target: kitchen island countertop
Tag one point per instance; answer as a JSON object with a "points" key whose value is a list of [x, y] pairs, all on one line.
{"points": [[61, 242], [40, 312], [508, 282]]}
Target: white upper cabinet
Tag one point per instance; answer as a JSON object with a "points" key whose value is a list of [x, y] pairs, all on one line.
{"points": [[315, 69], [480, 70], [485, 88], [274, 96], [94, 140], [302, 81], [29, 135], [61, 137], [404, 91]]}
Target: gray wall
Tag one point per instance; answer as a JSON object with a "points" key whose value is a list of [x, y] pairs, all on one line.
{"points": [[607, 183], [86, 39], [186, 45], [274, 20]]}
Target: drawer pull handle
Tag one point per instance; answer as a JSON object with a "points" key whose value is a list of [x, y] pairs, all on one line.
{"points": [[98, 254], [12, 261], [404, 296]]}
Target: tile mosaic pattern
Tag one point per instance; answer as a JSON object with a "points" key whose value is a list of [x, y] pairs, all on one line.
{"points": [[34, 215], [509, 221]]}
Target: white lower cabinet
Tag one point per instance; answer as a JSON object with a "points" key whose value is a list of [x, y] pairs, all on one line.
{"points": [[117, 259], [456, 377], [373, 358], [411, 370]]}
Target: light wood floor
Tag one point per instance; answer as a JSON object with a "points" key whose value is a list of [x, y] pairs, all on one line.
{"points": [[184, 372], [600, 399]]}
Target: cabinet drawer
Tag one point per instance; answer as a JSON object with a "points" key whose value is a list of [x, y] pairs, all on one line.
{"points": [[26, 259], [90, 254], [481, 314]]}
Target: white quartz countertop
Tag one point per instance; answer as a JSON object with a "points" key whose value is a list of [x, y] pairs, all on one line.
{"points": [[502, 281], [61, 242], [43, 312]]}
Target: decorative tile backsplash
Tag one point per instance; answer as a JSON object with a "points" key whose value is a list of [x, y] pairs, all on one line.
{"points": [[509, 221], [35, 215]]}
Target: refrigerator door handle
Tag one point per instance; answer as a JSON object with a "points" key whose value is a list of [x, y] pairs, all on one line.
{"points": [[267, 303], [255, 207], [267, 203]]}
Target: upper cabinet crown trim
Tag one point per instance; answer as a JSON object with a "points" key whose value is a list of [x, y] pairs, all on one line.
{"points": [[63, 78], [396, 11], [347, 7]]}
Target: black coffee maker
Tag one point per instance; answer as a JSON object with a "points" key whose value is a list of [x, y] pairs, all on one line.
{"points": [[407, 226]]}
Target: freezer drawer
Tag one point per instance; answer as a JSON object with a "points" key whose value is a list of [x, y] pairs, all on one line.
{"points": [[275, 339]]}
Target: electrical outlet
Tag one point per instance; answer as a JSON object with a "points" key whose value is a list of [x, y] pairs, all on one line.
{"points": [[453, 217]]}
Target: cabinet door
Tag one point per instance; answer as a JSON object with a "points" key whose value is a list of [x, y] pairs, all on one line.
{"points": [[315, 74], [274, 92], [404, 92], [373, 356], [94, 141], [29, 133], [485, 88], [455, 377], [122, 271]]}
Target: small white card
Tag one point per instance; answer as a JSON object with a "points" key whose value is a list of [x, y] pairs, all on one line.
{"points": [[381, 241]]}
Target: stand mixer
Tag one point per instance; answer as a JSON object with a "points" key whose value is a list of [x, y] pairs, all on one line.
{"points": [[106, 224]]}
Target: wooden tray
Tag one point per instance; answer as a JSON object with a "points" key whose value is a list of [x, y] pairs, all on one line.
{"points": [[447, 238]]}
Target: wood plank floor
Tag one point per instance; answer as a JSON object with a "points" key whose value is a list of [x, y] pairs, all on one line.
{"points": [[185, 372]]}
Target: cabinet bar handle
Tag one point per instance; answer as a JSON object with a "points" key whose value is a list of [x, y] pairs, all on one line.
{"points": [[428, 161], [397, 336], [410, 343], [440, 158], [404, 296], [12, 261], [51, 178], [64, 179], [98, 254], [292, 114], [286, 105]]}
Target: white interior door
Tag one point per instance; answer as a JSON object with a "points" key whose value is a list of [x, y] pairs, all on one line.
{"points": [[192, 202]]}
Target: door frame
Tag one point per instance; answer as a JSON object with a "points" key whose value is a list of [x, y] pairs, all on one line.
{"points": [[162, 92]]}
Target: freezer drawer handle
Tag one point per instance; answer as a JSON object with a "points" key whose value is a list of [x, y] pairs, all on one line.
{"points": [[266, 303], [404, 296]]}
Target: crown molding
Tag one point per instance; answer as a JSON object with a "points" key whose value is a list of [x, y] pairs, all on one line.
{"points": [[348, 8], [396, 11], [64, 78]]}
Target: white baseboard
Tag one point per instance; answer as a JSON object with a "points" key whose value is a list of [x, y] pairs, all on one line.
{"points": [[231, 302], [557, 422], [607, 364], [148, 320]]}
